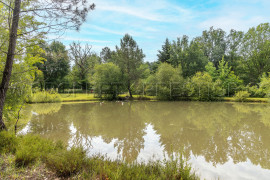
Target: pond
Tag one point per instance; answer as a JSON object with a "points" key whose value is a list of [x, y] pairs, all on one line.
{"points": [[221, 140]]}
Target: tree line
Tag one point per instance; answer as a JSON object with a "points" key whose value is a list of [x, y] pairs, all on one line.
{"points": [[211, 65]]}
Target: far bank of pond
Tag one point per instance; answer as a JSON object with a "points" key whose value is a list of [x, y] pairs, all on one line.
{"points": [[91, 97], [223, 140]]}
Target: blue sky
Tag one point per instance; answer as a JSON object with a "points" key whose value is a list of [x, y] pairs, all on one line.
{"points": [[151, 21]]}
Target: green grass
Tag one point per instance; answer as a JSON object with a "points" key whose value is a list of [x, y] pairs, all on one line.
{"points": [[91, 97], [44, 97], [251, 99], [41, 158], [78, 97]]}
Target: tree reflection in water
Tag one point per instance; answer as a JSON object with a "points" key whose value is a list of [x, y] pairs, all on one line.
{"points": [[216, 131]]}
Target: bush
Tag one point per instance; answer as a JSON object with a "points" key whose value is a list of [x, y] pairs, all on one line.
{"points": [[255, 91], [264, 86], [202, 87], [167, 83], [32, 148], [66, 162], [241, 96], [45, 97], [8, 142]]}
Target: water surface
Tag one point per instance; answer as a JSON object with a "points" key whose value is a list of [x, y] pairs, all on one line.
{"points": [[221, 140]]}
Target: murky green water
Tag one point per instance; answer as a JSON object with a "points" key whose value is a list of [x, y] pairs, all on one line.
{"points": [[225, 140]]}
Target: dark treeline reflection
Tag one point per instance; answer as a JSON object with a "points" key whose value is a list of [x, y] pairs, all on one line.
{"points": [[216, 131]]}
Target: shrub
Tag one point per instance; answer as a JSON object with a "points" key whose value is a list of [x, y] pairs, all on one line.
{"points": [[66, 162], [8, 142], [264, 85], [241, 96], [202, 87], [45, 97], [32, 148], [255, 91], [167, 83]]}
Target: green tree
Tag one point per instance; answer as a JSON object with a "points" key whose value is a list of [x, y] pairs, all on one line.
{"points": [[56, 66], [234, 43], [129, 57], [84, 63], [177, 51], [106, 55], [223, 73], [107, 80], [214, 44], [195, 60], [264, 86], [19, 55], [164, 54], [167, 83], [202, 87], [22, 25], [256, 53], [189, 56]]}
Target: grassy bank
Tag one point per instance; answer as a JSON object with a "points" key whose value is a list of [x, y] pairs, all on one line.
{"points": [[44, 97], [28, 157], [91, 97], [78, 97], [253, 99]]}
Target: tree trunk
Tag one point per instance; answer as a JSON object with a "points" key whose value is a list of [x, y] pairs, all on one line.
{"points": [[9, 60], [129, 90]]}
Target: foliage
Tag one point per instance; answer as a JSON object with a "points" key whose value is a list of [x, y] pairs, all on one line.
{"points": [[66, 162], [167, 83], [85, 61], [213, 43], [8, 142], [32, 148], [44, 97], [264, 85], [108, 81], [256, 52], [255, 91], [188, 55], [241, 96], [202, 87], [170, 82], [164, 54], [106, 55], [129, 57], [55, 65], [229, 81], [174, 168]]}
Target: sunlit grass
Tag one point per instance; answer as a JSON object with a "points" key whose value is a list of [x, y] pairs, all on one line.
{"points": [[78, 97], [253, 99]]}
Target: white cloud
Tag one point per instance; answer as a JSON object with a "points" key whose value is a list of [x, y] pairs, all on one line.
{"points": [[159, 10], [77, 39]]}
